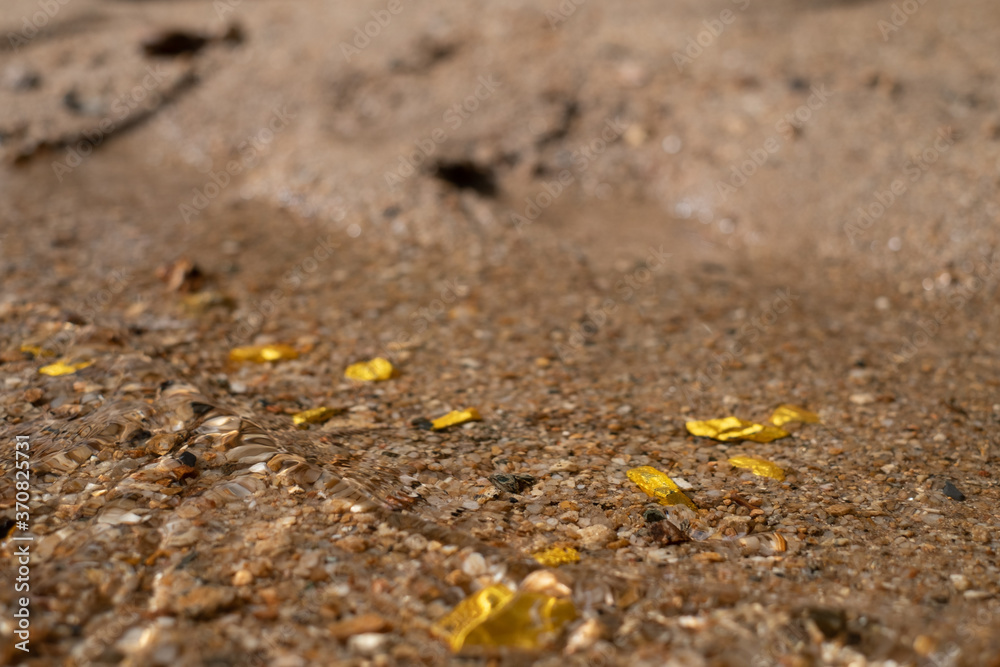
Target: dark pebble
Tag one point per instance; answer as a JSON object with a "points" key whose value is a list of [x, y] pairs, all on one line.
{"points": [[188, 459], [174, 43], [422, 423], [665, 532], [653, 514], [831, 622], [512, 482], [952, 492]]}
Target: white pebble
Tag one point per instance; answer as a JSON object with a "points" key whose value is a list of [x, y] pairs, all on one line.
{"points": [[368, 643], [474, 565]]}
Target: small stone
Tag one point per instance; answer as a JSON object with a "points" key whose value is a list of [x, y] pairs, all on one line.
{"points": [[596, 536], [353, 544], [35, 396], [666, 533], [474, 565], [862, 399], [977, 595], [708, 557], [205, 601], [923, 645], [546, 582], [653, 514], [170, 43], [162, 443], [457, 578], [960, 582], [952, 492], [415, 542], [243, 578], [840, 509], [585, 636], [368, 643], [512, 482], [358, 625]]}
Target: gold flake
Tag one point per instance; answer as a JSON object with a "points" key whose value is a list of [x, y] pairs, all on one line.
{"points": [[370, 371], [659, 486], [456, 417], [260, 354], [556, 556], [791, 413], [758, 467], [733, 428], [63, 367], [497, 616]]}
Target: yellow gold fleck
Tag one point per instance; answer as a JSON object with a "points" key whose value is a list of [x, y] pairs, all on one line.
{"points": [[732, 428], [456, 417], [313, 416], [370, 371], [791, 413], [556, 556], [656, 484], [63, 367], [758, 467], [497, 616], [37, 350], [260, 354]]}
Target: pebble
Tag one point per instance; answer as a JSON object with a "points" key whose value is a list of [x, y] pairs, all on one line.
{"points": [[596, 536], [923, 645], [474, 565], [368, 643], [173, 43], [205, 601], [415, 542], [243, 578], [584, 636], [952, 492], [547, 582], [358, 626], [840, 509]]}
